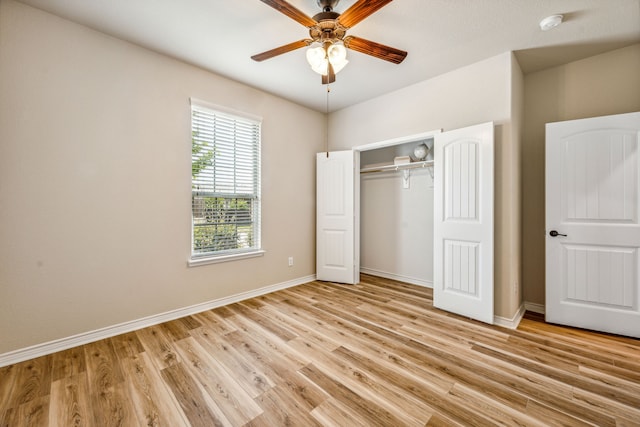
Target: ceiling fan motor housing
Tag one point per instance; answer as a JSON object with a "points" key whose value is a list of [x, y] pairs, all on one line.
{"points": [[327, 29]]}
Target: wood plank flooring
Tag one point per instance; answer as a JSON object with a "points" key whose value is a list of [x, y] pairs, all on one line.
{"points": [[373, 354]]}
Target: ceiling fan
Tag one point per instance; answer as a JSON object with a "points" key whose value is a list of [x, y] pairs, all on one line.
{"points": [[329, 29]]}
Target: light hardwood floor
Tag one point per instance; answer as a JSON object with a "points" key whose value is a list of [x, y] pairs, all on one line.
{"points": [[376, 353]]}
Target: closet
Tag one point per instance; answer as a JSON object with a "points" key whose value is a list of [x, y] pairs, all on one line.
{"points": [[396, 211], [382, 210]]}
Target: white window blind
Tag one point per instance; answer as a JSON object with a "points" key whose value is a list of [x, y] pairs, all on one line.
{"points": [[225, 183]]}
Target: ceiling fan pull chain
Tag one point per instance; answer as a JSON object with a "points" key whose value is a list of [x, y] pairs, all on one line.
{"points": [[327, 120]]}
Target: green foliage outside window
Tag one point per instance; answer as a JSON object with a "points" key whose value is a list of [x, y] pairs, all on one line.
{"points": [[220, 223], [200, 158]]}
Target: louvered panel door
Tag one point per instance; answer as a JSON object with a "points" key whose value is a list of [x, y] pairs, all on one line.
{"points": [[593, 197], [463, 222]]}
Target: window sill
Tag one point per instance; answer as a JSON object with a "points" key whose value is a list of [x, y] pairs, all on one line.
{"points": [[195, 262]]}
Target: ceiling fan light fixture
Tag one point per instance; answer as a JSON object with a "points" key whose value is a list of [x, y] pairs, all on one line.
{"points": [[319, 58], [337, 55], [322, 67], [337, 52], [338, 65]]}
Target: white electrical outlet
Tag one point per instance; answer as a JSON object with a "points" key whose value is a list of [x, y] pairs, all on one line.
{"points": [[290, 261]]}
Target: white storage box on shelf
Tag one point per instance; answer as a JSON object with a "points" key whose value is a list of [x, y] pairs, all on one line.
{"points": [[402, 160]]}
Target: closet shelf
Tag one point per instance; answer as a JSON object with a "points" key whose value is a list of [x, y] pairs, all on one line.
{"points": [[387, 168]]}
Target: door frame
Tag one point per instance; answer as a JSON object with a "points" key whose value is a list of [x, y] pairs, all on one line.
{"points": [[373, 146], [397, 141]]}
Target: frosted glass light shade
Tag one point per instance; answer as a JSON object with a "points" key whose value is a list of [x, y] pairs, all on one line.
{"points": [[315, 56], [319, 58], [322, 67], [337, 54]]}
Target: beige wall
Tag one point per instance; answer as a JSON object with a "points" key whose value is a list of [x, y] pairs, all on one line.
{"points": [[474, 94], [601, 85], [517, 118], [470, 95], [95, 181]]}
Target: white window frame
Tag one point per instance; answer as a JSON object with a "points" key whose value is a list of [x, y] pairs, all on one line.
{"points": [[196, 259]]}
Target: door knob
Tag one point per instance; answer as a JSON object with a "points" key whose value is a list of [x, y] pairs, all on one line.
{"points": [[554, 233]]}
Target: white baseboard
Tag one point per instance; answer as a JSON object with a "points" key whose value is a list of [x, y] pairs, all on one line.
{"points": [[398, 277], [536, 308], [87, 337], [510, 323]]}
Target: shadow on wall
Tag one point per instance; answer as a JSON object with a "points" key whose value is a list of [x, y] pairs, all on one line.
{"points": [[537, 59]]}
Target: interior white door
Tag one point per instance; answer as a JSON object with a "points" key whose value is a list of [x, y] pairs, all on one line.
{"points": [[463, 222], [592, 230], [336, 258]]}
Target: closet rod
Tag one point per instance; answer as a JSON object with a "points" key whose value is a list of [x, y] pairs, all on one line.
{"points": [[391, 168]]}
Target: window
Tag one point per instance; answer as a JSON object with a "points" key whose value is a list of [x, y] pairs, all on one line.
{"points": [[225, 184]]}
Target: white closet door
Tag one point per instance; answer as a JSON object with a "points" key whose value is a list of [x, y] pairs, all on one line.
{"points": [[593, 233], [463, 222], [336, 259]]}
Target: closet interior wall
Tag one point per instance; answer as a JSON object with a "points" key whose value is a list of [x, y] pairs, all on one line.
{"points": [[396, 223]]}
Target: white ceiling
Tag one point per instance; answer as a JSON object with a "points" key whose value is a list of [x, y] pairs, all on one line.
{"points": [[440, 35]]}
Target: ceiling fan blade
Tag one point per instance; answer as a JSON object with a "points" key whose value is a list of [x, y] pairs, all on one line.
{"points": [[284, 7], [282, 49], [360, 10], [375, 49], [330, 77]]}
